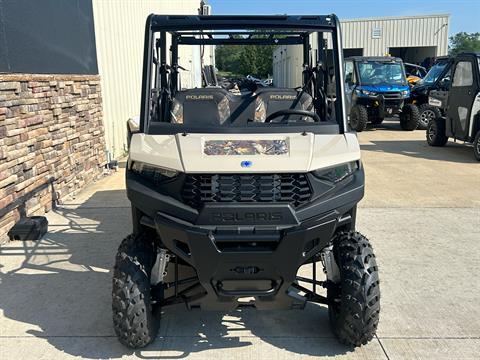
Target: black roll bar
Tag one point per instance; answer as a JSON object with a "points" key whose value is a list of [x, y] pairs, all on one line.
{"points": [[295, 23]]}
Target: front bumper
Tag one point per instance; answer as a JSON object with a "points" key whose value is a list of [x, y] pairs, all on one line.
{"points": [[381, 106], [247, 263], [243, 250]]}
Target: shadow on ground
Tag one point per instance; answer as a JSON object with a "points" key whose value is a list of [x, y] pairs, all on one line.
{"points": [[59, 289], [452, 152], [391, 124]]}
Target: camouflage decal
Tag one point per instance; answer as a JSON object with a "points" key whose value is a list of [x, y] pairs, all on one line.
{"points": [[245, 147], [224, 110], [176, 113], [308, 105], [260, 111]]}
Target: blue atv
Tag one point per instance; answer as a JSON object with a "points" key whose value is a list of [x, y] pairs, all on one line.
{"points": [[376, 87]]}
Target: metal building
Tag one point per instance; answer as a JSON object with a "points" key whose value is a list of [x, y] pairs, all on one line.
{"points": [[119, 35], [413, 38]]}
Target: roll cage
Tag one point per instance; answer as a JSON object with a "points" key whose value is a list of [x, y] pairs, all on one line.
{"points": [[160, 76]]}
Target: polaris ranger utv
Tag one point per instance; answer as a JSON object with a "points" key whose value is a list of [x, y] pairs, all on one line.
{"points": [[377, 87], [232, 193], [461, 100]]}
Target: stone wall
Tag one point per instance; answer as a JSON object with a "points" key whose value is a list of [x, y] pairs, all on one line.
{"points": [[51, 141]]}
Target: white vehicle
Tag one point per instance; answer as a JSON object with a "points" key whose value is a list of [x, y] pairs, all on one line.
{"points": [[233, 192]]}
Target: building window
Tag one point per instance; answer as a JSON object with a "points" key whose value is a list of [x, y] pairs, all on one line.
{"points": [[376, 33]]}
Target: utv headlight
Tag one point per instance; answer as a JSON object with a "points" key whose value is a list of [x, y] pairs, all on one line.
{"points": [[405, 93], [337, 173], [153, 173], [363, 92]]}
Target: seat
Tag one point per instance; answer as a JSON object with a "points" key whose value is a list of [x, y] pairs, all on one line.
{"points": [[271, 100], [201, 107], [217, 106], [242, 108]]}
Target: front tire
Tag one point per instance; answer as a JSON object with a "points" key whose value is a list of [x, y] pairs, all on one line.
{"points": [[354, 302], [427, 113], [409, 117], [436, 132], [134, 320], [476, 146], [358, 118]]}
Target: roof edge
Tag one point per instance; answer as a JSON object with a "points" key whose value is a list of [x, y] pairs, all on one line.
{"points": [[380, 18]]}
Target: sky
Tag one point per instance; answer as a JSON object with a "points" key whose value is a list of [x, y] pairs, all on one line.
{"points": [[465, 14]]}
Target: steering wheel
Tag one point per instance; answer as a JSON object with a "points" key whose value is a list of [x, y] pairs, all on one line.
{"points": [[286, 112]]}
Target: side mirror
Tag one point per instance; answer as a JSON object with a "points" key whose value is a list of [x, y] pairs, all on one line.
{"points": [[444, 83]]}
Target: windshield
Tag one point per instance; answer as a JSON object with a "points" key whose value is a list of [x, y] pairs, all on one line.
{"points": [[238, 79], [377, 73], [434, 72]]}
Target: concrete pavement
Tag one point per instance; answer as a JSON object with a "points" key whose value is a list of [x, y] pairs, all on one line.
{"points": [[403, 171], [421, 212]]}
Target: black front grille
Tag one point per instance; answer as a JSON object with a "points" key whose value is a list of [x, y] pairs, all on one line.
{"points": [[392, 95], [289, 188]]}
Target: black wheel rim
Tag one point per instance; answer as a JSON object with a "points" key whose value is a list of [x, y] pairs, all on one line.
{"points": [[426, 116], [477, 147]]}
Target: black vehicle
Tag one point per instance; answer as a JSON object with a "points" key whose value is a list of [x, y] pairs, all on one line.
{"points": [[376, 87], [232, 193], [436, 83], [461, 103]]}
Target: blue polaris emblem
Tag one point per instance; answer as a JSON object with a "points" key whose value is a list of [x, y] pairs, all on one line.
{"points": [[246, 164]]}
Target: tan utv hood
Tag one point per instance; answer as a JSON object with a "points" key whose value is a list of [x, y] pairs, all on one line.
{"points": [[245, 153]]}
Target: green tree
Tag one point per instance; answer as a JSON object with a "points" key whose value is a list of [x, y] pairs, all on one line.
{"points": [[265, 59], [463, 41], [227, 58], [245, 59], [249, 60]]}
